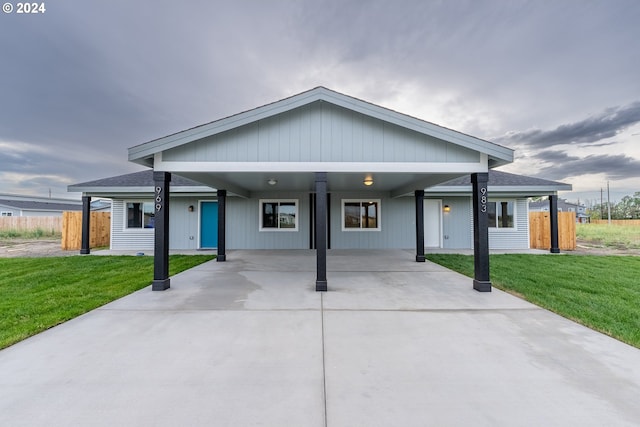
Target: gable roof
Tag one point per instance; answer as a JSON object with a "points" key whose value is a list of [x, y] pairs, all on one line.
{"points": [[30, 205], [136, 182], [504, 182], [144, 153]]}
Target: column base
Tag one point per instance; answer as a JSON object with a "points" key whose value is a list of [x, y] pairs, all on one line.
{"points": [[554, 250], [221, 258], [321, 286], [85, 251], [481, 286], [160, 285], [420, 258]]}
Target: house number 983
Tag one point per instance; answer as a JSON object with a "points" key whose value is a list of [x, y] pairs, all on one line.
{"points": [[483, 199]]}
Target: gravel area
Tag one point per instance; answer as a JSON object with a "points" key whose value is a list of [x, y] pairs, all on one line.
{"points": [[13, 248]]}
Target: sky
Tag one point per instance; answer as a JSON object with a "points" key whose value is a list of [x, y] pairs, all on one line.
{"points": [[557, 81]]}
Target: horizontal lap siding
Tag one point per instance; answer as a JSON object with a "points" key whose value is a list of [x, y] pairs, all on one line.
{"points": [[125, 239], [513, 239], [321, 132]]}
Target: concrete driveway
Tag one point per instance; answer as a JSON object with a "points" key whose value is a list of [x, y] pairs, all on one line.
{"points": [[249, 343]]}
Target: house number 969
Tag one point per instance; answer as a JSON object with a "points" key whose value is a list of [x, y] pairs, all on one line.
{"points": [[158, 199]]}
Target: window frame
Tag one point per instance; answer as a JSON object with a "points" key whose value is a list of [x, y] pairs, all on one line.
{"points": [[6, 213], [278, 228], [359, 229], [142, 228], [515, 216]]}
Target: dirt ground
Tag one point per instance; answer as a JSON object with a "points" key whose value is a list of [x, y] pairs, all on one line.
{"points": [[47, 248], [13, 248]]}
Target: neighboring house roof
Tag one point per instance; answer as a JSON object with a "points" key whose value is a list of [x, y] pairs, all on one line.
{"points": [[504, 182], [144, 153], [28, 205], [137, 182]]}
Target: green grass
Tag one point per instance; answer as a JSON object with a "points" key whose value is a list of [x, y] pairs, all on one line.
{"points": [[38, 233], [601, 292], [39, 293], [613, 236]]}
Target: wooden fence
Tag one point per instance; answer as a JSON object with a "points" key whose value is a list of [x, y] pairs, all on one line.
{"points": [[540, 230], [634, 222], [31, 223], [99, 227]]}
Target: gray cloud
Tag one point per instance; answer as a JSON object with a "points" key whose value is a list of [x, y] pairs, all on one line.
{"points": [[561, 165], [607, 124]]}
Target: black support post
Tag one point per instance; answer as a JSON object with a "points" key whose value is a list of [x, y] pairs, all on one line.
{"points": [[553, 219], [161, 279], [86, 225], [222, 225], [419, 225], [321, 231], [481, 281]]}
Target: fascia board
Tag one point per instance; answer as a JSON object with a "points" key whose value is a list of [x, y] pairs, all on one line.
{"points": [[135, 190]]}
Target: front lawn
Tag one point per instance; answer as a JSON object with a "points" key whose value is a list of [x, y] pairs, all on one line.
{"points": [[39, 293], [601, 292]]}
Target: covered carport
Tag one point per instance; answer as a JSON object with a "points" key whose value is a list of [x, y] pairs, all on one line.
{"points": [[318, 142]]}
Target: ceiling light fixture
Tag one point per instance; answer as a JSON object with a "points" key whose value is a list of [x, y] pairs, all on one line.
{"points": [[368, 181], [272, 181]]}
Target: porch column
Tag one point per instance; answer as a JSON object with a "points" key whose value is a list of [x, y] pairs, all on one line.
{"points": [[419, 225], [222, 222], [553, 219], [481, 281], [321, 231], [161, 279], [86, 225]]}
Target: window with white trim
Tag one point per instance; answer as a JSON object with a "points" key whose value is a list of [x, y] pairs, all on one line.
{"points": [[360, 214], [140, 215], [279, 215], [501, 213]]}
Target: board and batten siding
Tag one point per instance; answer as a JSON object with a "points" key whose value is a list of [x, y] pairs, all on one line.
{"points": [[243, 223], [321, 132], [397, 229], [183, 225]]}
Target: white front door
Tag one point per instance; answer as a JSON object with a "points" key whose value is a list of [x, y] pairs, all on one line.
{"points": [[432, 223]]}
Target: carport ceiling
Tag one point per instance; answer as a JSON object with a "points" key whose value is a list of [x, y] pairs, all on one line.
{"points": [[244, 183]]}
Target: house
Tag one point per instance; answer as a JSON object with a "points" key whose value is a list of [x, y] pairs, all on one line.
{"points": [[448, 222], [319, 170], [17, 205], [563, 206]]}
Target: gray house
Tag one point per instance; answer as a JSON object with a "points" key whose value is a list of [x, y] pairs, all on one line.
{"points": [[319, 170], [18, 205], [563, 206]]}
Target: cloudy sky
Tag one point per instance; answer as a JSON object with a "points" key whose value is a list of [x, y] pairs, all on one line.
{"points": [[558, 81]]}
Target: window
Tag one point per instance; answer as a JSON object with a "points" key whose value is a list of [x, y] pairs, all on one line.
{"points": [[501, 214], [6, 214], [140, 215], [361, 215], [278, 215]]}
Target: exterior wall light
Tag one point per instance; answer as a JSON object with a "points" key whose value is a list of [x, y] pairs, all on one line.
{"points": [[190, 208], [368, 181], [447, 208]]}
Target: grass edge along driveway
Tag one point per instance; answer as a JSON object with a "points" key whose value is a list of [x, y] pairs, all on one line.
{"points": [[600, 292], [39, 293]]}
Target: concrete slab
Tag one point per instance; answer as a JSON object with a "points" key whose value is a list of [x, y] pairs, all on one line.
{"points": [[248, 342]]}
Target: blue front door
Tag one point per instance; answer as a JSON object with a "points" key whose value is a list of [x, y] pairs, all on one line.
{"points": [[209, 225]]}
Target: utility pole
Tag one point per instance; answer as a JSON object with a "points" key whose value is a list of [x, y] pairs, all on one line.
{"points": [[608, 204], [601, 205]]}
